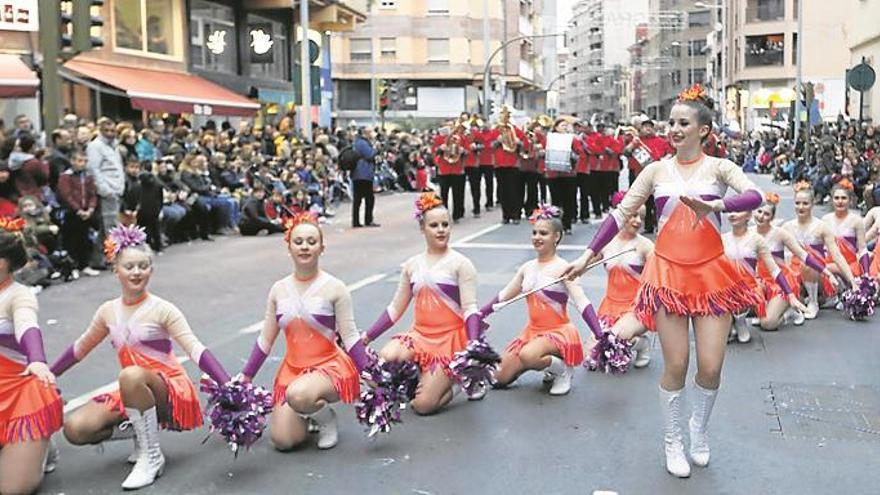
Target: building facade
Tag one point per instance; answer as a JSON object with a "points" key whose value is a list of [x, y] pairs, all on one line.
{"points": [[432, 54], [19, 84], [864, 45]]}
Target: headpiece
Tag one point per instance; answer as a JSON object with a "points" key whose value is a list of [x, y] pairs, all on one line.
{"points": [[694, 93], [846, 184], [123, 237], [12, 225], [427, 201], [545, 212], [802, 186], [293, 222], [772, 198]]}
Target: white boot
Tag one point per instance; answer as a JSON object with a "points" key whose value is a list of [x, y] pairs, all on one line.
{"points": [[150, 463], [703, 401], [670, 405], [328, 432], [743, 334], [642, 349], [813, 300], [792, 316], [135, 453], [561, 376]]}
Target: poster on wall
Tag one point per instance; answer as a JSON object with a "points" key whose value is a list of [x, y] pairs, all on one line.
{"points": [[19, 15]]}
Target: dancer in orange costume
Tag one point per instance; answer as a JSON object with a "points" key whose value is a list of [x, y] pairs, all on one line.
{"points": [[780, 308], [30, 408], [549, 342], [617, 307], [154, 388], [818, 239], [750, 252], [872, 228], [313, 308], [688, 278], [849, 230], [444, 286]]}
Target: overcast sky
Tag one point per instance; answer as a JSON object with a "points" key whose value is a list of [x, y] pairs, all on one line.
{"points": [[563, 15]]}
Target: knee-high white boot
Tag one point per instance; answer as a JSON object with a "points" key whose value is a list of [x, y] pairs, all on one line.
{"points": [[670, 404], [813, 300], [562, 375], [150, 462], [702, 402], [328, 432]]}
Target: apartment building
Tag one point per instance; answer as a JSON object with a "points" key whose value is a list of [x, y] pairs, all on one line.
{"points": [[864, 44], [432, 52]]}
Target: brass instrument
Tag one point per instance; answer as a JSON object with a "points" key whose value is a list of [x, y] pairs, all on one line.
{"points": [[454, 149], [544, 121]]}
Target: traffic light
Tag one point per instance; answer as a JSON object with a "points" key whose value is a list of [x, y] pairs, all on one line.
{"points": [[490, 108], [87, 23]]}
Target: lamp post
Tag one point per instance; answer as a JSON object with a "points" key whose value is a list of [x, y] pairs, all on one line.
{"points": [[720, 7]]}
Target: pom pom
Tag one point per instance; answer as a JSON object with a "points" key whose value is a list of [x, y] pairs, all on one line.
{"points": [[860, 300], [238, 410], [427, 201], [475, 366], [545, 212], [123, 237], [391, 385], [610, 354]]}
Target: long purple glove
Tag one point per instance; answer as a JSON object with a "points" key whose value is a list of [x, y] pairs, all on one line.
{"points": [[815, 263], [210, 365], [746, 201], [64, 362], [865, 262], [31, 344], [606, 233], [592, 320], [783, 283], [382, 324], [473, 325], [358, 354], [488, 309], [255, 362]]}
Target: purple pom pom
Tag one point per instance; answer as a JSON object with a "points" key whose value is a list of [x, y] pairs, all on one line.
{"points": [[860, 300], [610, 354], [238, 410], [475, 366], [391, 385]]}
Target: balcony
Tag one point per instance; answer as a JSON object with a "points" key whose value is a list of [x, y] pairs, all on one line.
{"points": [[765, 50]]}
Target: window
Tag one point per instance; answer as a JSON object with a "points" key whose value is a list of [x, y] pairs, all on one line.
{"points": [[360, 50], [675, 78], [696, 48], [146, 26], [438, 7], [675, 51], [764, 50], [268, 47], [699, 19], [794, 49], [438, 50], [212, 43], [699, 76], [765, 10], [388, 47], [354, 95], [388, 4]]}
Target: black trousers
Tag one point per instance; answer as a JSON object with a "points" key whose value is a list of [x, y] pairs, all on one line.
{"points": [[151, 226], [474, 174], [563, 191], [650, 209], [75, 237], [455, 183], [530, 182], [595, 190], [254, 226], [488, 173], [609, 187], [543, 195], [510, 191], [583, 187], [363, 192]]}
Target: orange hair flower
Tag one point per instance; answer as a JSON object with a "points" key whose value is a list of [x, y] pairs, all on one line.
{"points": [[427, 201], [300, 218], [10, 224], [846, 184], [772, 198], [693, 93], [802, 186]]}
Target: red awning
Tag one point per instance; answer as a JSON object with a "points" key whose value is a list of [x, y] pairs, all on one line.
{"points": [[17, 80], [171, 92]]}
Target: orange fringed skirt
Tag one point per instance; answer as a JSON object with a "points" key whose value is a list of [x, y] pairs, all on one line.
{"points": [[797, 266], [689, 275], [875, 263], [29, 410], [771, 288], [545, 322], [183, 401], [437, 333], [620, 296], [851, 257], [308, 351]]}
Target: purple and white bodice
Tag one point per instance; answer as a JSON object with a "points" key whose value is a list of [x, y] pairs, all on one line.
{"points": [[317, 312]]}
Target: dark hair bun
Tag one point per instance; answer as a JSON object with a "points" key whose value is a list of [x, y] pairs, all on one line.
{"points": [[12, 249]]}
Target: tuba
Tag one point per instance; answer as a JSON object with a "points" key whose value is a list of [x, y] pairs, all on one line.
{"points": [[454, 149]]}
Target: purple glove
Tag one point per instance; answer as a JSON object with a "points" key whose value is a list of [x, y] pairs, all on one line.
{"points": [[783, 283], [31, 344], [606, 233], [748, 200], [487, 309], [255, 362], [358, 354], [865, 263], [473, 325], [592, 320], [209, 364], [815, 263], [382, 324], [64, 362]]}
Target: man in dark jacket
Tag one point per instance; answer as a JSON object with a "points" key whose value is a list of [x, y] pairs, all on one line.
{"points": [[79, 198], [59, 159], [362, 179], [253, 215]]}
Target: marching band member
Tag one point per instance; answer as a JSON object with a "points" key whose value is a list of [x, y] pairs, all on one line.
{"points": [[450, 150], [472, 169], [550, 342], [587, 161], [563, 183], [657, 148], [314, 310], [154, 389], [507, 143], [688, 277], [443, 284], [531, 156], [608, 172], [485, 158]]}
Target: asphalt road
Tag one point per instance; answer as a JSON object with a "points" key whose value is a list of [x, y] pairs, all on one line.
{"points": [[799, 409]]}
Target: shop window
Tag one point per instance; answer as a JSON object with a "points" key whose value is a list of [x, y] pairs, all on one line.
{"points": [[147, 26], [438, 50], [268, 47], [360, 49], [212, 33]]}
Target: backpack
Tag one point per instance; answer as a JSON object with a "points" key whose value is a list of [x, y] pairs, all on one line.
{"points": [[348, 158]]}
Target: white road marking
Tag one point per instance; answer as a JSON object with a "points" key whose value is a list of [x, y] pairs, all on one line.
{"points": [[250, 329], [479, 233], [499, 245]]}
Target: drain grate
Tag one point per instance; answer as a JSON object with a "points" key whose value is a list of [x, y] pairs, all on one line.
{"points": [[826, 411]]}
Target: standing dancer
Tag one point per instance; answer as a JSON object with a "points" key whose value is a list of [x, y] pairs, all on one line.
{"points": [[818, 239], [780, 310], [314, 309], [154, 388], [444, 286], [624, 273], [849, 230], [550, 342], [749, 250], [30, 408], [688, 278]]}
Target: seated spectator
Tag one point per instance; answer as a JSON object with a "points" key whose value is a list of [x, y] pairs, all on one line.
{"points": [[29, 172], [254, 218]]}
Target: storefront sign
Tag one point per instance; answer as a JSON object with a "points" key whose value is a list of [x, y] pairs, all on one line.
{"points": [[19, 15], [217, 42], [203, 109], [261, 43]]}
